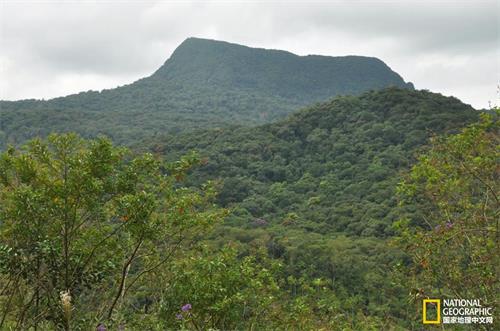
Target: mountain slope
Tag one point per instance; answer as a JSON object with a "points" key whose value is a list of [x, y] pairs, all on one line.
{"points": [[205, 83], [330, 168], [302, 78], [318, 189]]}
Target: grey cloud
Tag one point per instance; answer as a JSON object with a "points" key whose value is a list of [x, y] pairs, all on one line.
{"points": [[90, 45], [417, 25]]}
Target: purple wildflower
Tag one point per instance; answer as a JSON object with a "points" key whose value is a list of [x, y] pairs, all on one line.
{"points": [[186, 307], [101, 327], [449, 225], [179, 316]]}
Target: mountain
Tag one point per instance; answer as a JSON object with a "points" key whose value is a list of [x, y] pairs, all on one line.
{"points": [[205, 83], [305, 79], [318, 189]]}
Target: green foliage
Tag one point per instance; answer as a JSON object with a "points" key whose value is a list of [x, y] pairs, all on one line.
{"points": [[87, 220], [204, 84], [225, 292], [456, 185], [318, 189], [91, 233], [334, 165]]}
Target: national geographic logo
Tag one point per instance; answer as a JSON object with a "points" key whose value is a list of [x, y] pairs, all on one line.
{"points": [[455, 311]]}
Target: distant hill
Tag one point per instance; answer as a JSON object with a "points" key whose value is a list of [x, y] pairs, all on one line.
{"points": [[205, 83], [304, 79]]}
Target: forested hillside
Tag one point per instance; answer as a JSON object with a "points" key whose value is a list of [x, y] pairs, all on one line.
{"points": [[291, 225], [318, 189], [329, 168], [204, 84]]}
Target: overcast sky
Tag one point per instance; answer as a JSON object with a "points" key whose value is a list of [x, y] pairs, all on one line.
{"points": [[55, 48]]}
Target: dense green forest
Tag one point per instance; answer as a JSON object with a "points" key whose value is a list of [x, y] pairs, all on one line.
{"points": [[233, 207], [313, 222], [205, 83], [318, 190], [326, 169]]}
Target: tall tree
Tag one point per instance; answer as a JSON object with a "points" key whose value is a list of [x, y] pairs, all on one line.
{"points": [[454, 245], [81, 222]]}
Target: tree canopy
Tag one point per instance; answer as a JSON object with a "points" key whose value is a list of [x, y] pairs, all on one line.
{"points": [[86, 221], [325, 220], [454, 245]]}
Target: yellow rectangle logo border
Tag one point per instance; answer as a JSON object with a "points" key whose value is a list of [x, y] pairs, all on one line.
{"points": [[424, 311]]}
